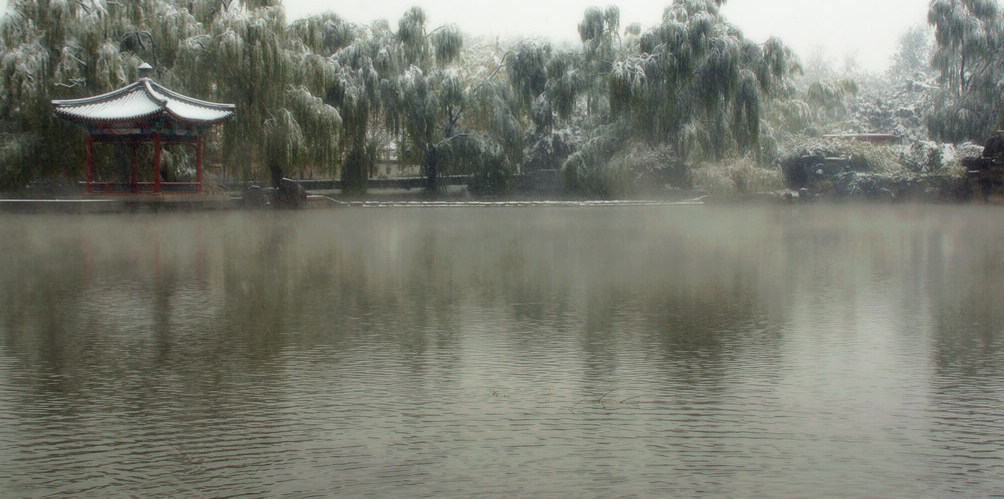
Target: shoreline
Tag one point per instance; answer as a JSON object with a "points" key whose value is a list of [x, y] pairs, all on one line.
{"points": [[958, 192]]}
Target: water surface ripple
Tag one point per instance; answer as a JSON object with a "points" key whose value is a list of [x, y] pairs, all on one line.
{"points": [[505, 350]]}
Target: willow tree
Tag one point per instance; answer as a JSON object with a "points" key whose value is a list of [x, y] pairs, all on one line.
{"points": [[546, 84], [968, 57], [599, 32], [696, 85], [492, 149], [57, 49], [439, 111], [51, 49], [808, 112], [228, 50], [429, 96], [249, 56], [366, 62]]}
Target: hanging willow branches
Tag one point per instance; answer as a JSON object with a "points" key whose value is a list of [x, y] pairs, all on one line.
{"points": [[326, 96], [694, 84], [223, 50], [969, 37]]}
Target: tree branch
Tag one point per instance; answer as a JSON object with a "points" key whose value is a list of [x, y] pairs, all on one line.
{"points": [[75, 83], [451, 139]]}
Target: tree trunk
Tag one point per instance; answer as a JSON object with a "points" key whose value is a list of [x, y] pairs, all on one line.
{"points": [[431, 171], [355, 172]]}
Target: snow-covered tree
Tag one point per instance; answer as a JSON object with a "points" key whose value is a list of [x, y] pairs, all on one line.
{"points": [[695, 85], [449, 122], [599, 32], [547, 85], [51, 49], [969, 37], [239, 51], [914, 49], [366, 61]]}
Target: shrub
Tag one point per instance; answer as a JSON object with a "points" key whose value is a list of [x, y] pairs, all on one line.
{"points": [[736, 176]]}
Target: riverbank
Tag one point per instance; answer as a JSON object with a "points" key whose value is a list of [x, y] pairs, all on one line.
{"points": [[100, 206], [120, 203], [831, 187]]}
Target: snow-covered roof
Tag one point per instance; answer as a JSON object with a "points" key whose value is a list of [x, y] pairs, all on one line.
{"points": [[143, 100]]}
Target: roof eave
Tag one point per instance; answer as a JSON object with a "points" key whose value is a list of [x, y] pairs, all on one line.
{"points": [[158, 94], [194, 122], [91, 122], [97, 98]]}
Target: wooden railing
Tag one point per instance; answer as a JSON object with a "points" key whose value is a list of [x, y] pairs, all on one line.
{"points": [[142, 187]]}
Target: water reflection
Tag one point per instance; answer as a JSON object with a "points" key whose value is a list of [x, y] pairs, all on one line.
{"points": [[651, 350]]}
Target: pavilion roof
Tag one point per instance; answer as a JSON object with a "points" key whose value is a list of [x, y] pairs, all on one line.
{"points": [[143, 100]]}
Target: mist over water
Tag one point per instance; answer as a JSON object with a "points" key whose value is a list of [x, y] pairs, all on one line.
{"points": [[540, 351]]}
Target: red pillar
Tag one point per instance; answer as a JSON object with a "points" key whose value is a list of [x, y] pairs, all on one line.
{"points": [[198, 163], [156, 163], [133, 171], [90, 163]]}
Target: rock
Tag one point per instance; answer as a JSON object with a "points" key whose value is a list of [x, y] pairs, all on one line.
{"points": [[254, 197], [290, 194], [994, 148]]}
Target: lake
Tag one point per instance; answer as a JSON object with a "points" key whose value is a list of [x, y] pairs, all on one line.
{"points": [[579, 350]]}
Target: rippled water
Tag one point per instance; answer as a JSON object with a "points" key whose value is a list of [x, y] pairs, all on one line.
{"points": [[452, 351]]}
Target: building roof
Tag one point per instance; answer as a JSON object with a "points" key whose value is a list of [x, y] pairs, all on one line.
{"points": [[144, 100]]}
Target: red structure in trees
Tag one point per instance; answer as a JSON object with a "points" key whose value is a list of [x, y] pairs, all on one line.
{"points": [[144, 112]]}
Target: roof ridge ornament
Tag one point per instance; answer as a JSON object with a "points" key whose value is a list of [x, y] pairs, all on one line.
{"points": [[153, 94], [145, 70]]}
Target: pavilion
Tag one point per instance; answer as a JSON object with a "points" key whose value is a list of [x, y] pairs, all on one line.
{"points": [[144, 112]]}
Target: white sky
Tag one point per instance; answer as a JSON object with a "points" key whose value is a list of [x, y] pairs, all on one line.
{"points": [[865, 29]]}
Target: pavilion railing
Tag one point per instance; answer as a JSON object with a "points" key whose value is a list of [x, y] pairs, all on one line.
{"points": [[142, 187]]}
